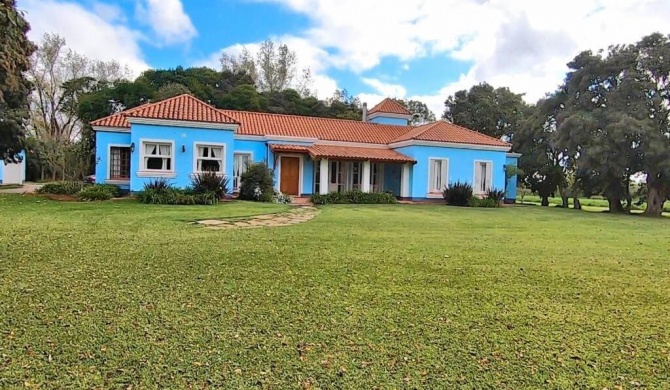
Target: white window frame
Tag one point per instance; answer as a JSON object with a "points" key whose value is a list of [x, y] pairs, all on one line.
{"points": [[251, 161], [109, 165], [432, 177], [144, 172], [489, 176], [196, 157]]}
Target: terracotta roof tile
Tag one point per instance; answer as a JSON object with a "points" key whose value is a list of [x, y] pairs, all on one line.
{"points": [[355, 153], [114, 120], [182, 108], [256, 123], [442, 131], [289, 148], [389, 106]]}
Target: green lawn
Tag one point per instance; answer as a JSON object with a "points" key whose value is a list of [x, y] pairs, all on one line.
{"points": [[117, 294]]}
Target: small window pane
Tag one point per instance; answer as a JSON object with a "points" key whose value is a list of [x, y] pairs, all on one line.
{"points": [[155, 163], [210, 166]]}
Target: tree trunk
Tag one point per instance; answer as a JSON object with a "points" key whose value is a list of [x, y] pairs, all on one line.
{"points": [[545, 201], [564, 197], [615, 205], [577, 203], [655, 200]]}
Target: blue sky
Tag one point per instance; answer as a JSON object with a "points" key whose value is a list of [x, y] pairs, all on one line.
{"points": [[423, 49]]}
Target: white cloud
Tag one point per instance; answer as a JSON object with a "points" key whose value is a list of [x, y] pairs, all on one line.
{"points": [[168, 20], [95, 35], [523, 44], [386, 89]]}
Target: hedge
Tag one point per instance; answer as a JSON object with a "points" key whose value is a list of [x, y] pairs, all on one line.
{"points": [[354, 197]]}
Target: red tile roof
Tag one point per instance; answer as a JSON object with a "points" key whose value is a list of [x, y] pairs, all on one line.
{"points": [[256, 123], [188, 108], [289, 148], [442, 131], [390, 106], [182, 108], [355, 153]]}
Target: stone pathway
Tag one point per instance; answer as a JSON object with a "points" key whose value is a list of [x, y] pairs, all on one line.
{"points": [[298, 214]]}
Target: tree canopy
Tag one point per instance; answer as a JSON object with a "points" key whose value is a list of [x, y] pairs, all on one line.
{"points": [[15, 52]]}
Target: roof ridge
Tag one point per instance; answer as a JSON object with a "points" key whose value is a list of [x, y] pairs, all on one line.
{"points": [[393, 102], [427, 126]]}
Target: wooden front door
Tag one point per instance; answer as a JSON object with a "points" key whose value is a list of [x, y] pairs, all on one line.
{"points": [[290, 176]]}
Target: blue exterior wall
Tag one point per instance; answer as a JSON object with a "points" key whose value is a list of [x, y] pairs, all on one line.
{"points": [[510, 193], [461, 166], [384, 120], [103, 139], [183, 161]]}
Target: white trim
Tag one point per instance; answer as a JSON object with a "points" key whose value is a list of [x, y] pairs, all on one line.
{"points": [[111, 129], [109, 159], [251, 161], [404, 180], [141, 172], [300, 171], [377, 114], [430, 191], [449, 145], [191, 124], [196, 157], [353, 144], [474, 175], [324, 179], [169, 175], [365, 181], [517, 155]]}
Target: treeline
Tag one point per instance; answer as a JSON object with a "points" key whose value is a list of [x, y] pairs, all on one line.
{"points": [[606, 123]]}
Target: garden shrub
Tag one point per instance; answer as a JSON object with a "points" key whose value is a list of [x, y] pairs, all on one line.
{"points": [[497, 195], [257, 184], [207, 182], [354, 197], [113, 189], [282, 198], [485, 202], [70, 188], [176, 196], [158, 184], [458, 193], [97, 192]]}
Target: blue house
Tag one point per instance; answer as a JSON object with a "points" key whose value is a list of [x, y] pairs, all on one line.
{"points": [[179, 137]]}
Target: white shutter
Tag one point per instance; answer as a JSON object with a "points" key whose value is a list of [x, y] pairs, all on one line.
{"points": [[445, 174], [431, 176], [489, 176], [478, 177]]}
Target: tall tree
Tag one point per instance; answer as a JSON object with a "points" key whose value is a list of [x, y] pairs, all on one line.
{"points": [[171, 90], [493, 111], [274, 68], [60, 77], [343, 105], [421, 114], [15, 52]]}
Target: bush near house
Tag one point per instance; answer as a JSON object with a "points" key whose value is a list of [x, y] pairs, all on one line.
{"points": [[70, 188], [458, 194], [211, 182], [354, 197], [82, 191], [160, 191], [257, 184]]}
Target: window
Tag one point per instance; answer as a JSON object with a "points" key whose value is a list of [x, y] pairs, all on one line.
{"points": [[439, 171], [377, 177], [209, 158], [334, 172], [157, 156], [119, 163], [241, 162], [483, 178], [356, 173], [317, 177]]}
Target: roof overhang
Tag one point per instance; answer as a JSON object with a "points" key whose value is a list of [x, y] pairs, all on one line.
{"points": [[454, 145], [378, 114], [111, 129], [514, 155], [177, 123]]}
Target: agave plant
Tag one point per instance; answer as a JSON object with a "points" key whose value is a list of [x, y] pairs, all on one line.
{"points": [[496, 195], [211, 182], [458, 193]]}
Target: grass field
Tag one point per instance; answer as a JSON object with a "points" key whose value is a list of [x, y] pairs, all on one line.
{"points": [[116, 294]]}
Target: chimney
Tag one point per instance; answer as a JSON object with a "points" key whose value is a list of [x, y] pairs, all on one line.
{"points": [[365, 112]]}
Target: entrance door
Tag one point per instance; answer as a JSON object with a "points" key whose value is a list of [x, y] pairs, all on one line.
{"points": [[290, 175]]}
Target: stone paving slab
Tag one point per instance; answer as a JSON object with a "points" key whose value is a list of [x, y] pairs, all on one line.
{"points": [[297, 215]]}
